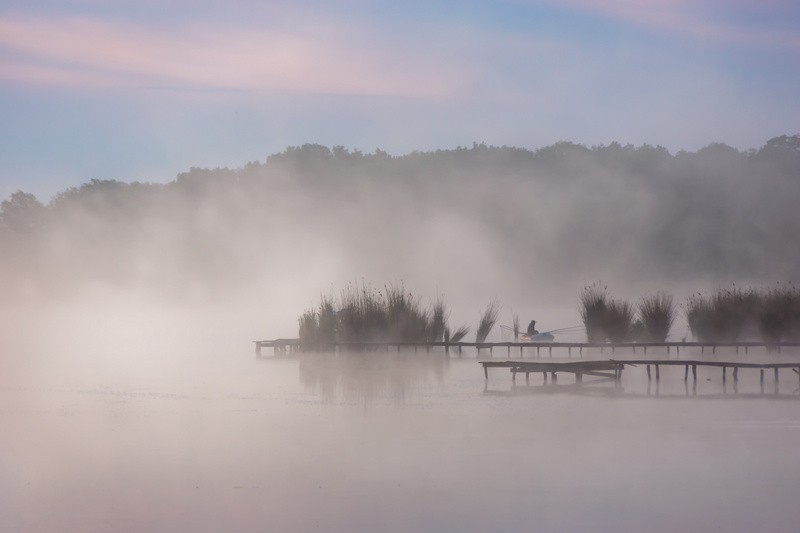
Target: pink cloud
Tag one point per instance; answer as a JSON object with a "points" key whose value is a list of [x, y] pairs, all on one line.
{"points": [[97, 53], [706, 19]]}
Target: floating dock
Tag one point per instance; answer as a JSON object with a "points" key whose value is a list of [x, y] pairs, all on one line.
{"points": [[612, 368]]}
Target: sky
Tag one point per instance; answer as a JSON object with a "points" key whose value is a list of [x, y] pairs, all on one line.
{"points": [[142, 90]]}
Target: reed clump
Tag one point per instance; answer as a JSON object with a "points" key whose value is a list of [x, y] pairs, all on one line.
{"points": [[365, 314], [487, 322], [604, 318], [618, 321], [728, 315], [515, 326], [779, 315], [656, 315], [459, 334], [593, 302]]}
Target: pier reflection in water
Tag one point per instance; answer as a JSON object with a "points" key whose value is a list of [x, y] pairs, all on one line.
{"points": [[639, 382]]}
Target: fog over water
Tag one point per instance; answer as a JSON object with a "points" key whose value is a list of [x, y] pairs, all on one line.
{"points": [[131, 400]]}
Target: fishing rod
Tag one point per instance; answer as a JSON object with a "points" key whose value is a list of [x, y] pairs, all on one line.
{"points": [[569, 329]]}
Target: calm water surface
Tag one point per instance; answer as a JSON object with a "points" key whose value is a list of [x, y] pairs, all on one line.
{"points": [[224, 442]]}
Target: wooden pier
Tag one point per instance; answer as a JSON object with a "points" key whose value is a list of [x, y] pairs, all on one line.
{"points": [[279, 346], [284, 346], [612, 368]]}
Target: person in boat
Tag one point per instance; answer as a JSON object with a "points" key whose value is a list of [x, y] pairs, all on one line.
{"points": [[532, 329]]}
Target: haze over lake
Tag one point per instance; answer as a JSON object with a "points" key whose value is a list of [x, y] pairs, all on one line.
{"points": [[111, 424]]}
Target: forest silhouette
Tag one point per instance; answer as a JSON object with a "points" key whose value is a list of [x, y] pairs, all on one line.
{"points": [[566, 209]]}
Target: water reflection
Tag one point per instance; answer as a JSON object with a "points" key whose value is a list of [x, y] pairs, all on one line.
{"points": [[607, 388], [363, 378]]}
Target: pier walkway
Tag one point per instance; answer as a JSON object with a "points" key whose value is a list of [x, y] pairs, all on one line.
{"points": [[284, 346]]}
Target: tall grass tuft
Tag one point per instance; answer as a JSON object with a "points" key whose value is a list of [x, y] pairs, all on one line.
{"points": [[487, 322], [699, 315], [309, 329], [438, 322], [735, 312], [459, 334], [779, 315], [618, 321], [657, 314], [592, 304], [407, 319], [515, 325], [326, 319]]}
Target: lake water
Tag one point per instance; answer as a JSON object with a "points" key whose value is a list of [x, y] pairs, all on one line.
{"points": [[147, 438]]}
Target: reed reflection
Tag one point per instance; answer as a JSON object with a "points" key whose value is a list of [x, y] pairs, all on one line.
{"points": [[366, 377]]}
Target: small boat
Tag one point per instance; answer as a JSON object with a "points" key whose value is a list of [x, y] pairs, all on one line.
{"points": [[544, 336]]}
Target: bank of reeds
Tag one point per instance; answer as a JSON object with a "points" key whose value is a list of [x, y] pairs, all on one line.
{"points": [[656, 315], [731, 315], [366, 314], [487, 322], [779, 315], [728, 315]]}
